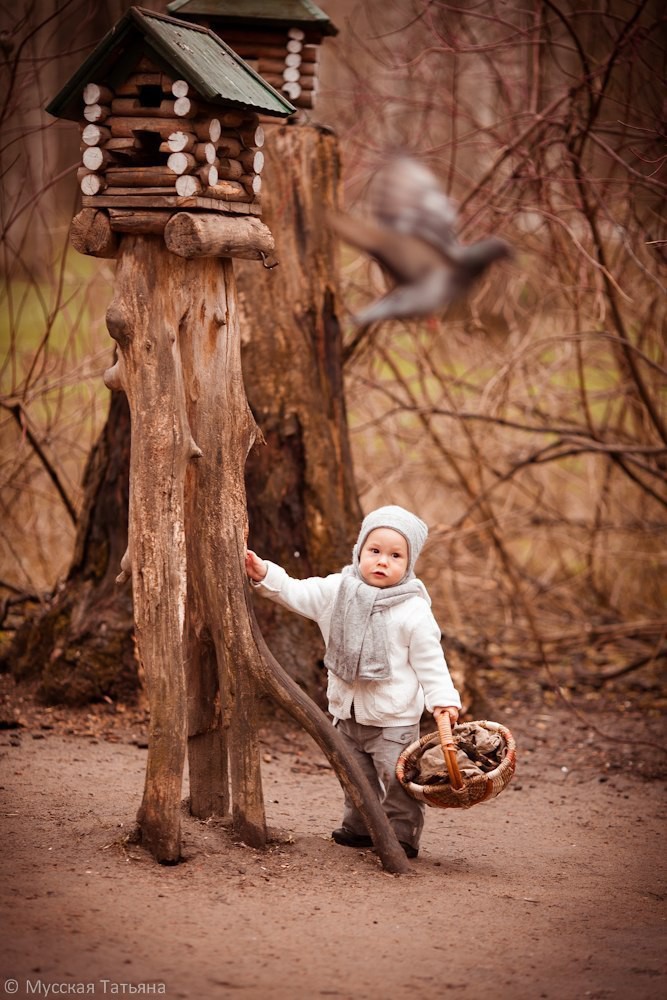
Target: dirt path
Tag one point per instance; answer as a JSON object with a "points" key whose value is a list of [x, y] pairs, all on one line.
{"points": [[554, 890]]}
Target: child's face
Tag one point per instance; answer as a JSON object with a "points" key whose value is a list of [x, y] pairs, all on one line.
{"points": [[383, 560]]}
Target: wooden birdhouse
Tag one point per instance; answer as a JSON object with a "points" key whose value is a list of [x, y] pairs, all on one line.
{"points": [[169, 118], [280, 38]]}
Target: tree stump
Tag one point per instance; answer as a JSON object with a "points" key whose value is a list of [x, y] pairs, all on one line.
{"points": [[302, 499]]}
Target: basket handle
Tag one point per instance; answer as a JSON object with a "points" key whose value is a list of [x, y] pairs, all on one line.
{"points": [[449, 749]]}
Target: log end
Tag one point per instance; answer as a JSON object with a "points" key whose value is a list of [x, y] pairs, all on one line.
{"points": [[91, 234]]}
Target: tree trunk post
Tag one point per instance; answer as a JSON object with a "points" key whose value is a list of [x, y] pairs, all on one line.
{"points": [[179, 363], [176, 325], [224, 429], [143, 319]]}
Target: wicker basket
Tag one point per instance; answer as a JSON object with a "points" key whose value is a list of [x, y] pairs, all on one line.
{"points": [[458, 792]]}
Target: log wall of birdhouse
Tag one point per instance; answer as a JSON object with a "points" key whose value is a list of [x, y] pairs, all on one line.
{"points": [[283, 57], [152, 142]]}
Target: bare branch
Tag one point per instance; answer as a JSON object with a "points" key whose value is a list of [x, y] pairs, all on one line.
{"points": [[19, 415]]}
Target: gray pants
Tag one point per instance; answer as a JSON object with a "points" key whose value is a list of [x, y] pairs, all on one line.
{"points": [[377, 749]]}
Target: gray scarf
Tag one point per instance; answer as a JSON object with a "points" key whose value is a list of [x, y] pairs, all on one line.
{"points": [[357, 647]]}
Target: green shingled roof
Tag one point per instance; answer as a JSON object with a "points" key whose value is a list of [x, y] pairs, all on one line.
{"points": [[194, 53], [276, 13]]}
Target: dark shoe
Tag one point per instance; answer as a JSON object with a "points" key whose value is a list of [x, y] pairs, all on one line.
{"points": [[410, 851], [349, 839]]}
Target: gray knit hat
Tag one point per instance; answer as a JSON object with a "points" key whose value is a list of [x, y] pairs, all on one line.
{"points": [[409, 525]]}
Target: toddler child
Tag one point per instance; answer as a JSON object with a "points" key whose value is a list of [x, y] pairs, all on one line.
{"points": [[383, 657]]}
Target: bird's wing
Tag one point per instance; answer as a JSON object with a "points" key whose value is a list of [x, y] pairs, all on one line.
{"points": [[407, 198], [403, 256]]}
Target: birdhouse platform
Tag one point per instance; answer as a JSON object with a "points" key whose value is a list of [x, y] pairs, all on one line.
{"points": [[169, 118]]}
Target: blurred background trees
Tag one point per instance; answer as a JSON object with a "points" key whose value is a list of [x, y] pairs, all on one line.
{"points": [[527, 427]]}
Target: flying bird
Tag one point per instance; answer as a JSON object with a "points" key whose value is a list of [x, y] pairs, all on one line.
{"points": [[412, 234]]}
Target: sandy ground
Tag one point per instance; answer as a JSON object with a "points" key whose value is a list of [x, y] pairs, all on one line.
{"points": [[554, 890]]}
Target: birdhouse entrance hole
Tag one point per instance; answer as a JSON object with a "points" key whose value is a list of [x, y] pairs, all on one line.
{"points": [[149, 143], [150, 95]]}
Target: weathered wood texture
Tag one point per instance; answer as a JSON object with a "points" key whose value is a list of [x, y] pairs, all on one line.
{"points": [[160, 200], [90, 233], [144, 318], [302, 501], [190, 235], [224, 429], [127, 220], [174, 322]]}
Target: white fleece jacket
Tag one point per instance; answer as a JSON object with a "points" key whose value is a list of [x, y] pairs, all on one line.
{"points": [[419, 672]]}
